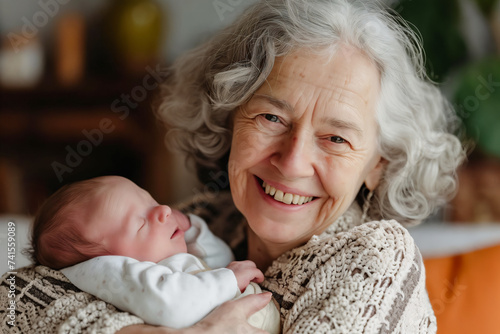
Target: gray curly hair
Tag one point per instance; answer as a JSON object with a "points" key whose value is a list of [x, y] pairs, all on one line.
{"points": [[416, 123]]}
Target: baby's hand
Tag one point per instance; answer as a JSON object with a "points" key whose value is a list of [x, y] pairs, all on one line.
{"points": [[246, 272]]}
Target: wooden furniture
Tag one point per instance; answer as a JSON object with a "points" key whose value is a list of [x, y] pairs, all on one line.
{"points": [[51, 135]]}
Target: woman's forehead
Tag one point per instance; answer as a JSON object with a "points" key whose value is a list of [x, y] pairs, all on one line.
{"points": [[349, 69], [345, 83]]}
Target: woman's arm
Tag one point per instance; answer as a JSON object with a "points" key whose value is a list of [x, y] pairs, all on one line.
{"points": [[369, 279], [230, 317]]}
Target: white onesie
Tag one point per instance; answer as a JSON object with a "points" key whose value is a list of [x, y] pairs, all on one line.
{"points": [[176, 292]]}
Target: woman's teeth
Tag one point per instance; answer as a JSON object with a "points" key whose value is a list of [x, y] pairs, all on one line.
{"points": [[286, 198]]}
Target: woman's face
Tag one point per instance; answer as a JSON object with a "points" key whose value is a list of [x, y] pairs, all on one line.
{"points": [[310, 134]]}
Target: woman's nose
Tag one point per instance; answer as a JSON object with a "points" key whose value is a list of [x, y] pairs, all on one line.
{"points": [[294, 157], [160, 213]]}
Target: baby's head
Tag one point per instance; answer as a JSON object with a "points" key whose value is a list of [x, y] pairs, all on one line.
{"points": [[56, 236], [109, 215]]}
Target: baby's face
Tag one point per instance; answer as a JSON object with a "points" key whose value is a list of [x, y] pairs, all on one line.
{"points": [[127, 221]]}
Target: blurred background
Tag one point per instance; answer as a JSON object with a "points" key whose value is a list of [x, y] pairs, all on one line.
{"points": [[77, 79], [68, 65]]}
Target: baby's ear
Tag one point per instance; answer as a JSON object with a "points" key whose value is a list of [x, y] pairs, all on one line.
{"points": [[375, 174]]}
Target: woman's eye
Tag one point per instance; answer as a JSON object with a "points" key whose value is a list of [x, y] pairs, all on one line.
{"points": [[272, 118], [271, 124], [337, 140]]}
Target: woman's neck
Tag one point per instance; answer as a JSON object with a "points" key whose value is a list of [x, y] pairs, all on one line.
{"points": [[262, 253]]}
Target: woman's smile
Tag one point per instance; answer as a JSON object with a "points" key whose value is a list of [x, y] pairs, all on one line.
{"points": [[281, 196]]}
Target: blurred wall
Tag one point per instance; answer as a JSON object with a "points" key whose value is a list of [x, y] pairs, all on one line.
{"points": [[189, 21]]}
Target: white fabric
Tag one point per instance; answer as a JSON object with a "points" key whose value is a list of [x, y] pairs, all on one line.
{"points": [[268, 318], [177, 292], [202, 243]]}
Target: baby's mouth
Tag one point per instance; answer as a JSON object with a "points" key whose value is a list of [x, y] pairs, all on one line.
{"points": [[284, 197], [177, 232]]}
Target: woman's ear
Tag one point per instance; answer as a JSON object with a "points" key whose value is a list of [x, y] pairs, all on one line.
{"points": [[375, 174]]}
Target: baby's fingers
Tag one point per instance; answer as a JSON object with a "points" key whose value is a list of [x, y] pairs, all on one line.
{"points": [[259, 277]]}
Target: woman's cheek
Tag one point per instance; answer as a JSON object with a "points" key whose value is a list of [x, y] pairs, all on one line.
{"points": [[247, 147], [242, 151]]}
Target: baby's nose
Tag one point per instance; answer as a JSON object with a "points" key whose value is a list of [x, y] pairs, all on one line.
{"points": [[161, 213]]}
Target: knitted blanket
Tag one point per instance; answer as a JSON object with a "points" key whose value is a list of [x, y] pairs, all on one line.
{"points": [[353, 278]]}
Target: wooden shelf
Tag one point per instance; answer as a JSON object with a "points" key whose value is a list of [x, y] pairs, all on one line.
{"points": [[37, 125]]}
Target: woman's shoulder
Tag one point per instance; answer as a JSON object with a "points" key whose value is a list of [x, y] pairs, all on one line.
{"points": [[377, 249], [44, 300], [373, 268], [377, 244], [380, 233], [349, 231]]}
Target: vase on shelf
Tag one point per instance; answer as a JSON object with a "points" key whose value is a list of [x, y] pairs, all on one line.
{"points": [[134, 30]]}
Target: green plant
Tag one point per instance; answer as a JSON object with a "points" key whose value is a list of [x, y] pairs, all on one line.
{"points": [[438, 24], [477, 100]]}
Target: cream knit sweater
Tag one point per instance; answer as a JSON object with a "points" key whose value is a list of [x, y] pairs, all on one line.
{"points": [[353, 278]]}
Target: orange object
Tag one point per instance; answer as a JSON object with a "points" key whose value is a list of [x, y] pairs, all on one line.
{"points": [[464, 291], [70, 52]]}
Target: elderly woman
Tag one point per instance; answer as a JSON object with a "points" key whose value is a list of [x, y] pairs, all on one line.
{"points": [[321, 117]]}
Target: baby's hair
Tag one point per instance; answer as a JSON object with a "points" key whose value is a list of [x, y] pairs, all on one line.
{"points": [[56, 237]]}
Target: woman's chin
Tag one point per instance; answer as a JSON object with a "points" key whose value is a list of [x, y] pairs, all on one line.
{"points": [[278, 234]]}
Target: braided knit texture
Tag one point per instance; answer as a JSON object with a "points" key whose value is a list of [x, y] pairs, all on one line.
{"points": [[46, 302], [368, 279]]}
